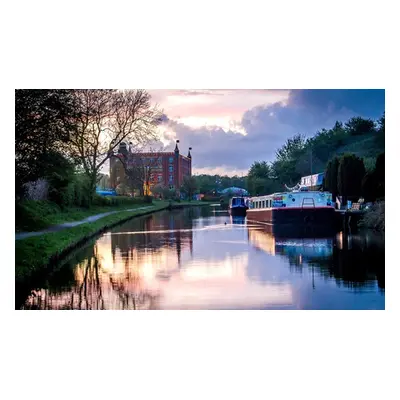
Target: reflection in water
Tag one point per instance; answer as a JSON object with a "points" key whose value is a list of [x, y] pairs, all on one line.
{"points": [[361, 267], [196, 259]]}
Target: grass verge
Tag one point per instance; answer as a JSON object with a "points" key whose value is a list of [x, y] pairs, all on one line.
{"points": [[37, 215]]}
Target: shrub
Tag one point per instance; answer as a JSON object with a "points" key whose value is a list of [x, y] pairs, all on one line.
{"points": [[31, 213], [119, 201], [374, 218]]}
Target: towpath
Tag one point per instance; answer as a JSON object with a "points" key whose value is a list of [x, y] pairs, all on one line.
{"points": [[65, 225]]}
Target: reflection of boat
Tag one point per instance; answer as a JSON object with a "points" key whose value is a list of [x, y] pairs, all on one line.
{"points": [[306, 247], [296, 231], [237, 206], [238, 220], [298, 208]]}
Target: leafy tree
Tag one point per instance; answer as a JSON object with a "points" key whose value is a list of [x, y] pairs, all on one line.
{"points": [[369, 187], [189, 186], [381, 124], [291, 149], [288, 166], [43, 122], [59, 172], [331, 177], [260, 178], [359, 126], [380, 175], [351, 171]]}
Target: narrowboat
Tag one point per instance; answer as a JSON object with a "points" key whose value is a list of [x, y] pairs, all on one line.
{"points": [[296, 208], [237, 206]]}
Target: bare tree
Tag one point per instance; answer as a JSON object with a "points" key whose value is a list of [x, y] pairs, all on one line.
{"points": [[107, 118], [140, 168]]}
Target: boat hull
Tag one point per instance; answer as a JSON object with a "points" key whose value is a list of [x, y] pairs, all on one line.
{"points": [[238, 211], [313, 216]]}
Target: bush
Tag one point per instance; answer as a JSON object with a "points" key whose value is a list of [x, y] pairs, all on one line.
{"points": [[374, 218], [119, 201], [31, 213]]}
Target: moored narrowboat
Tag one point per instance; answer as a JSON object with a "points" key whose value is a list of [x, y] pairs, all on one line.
{"points": [[297, 208], [238, 206]]}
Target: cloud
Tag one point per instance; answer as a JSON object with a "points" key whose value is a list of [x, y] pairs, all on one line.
{"points": [[268, 126]]}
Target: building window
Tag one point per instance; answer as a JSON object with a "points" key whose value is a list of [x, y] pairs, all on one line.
{"points": [[171, 168], [159, 178], [171, 160], [171, 178]]}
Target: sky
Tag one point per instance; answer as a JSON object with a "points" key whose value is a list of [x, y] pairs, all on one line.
{"points": [[230, 129]]}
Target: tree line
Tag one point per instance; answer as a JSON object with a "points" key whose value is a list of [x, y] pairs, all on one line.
{"points": [[357, 139]]}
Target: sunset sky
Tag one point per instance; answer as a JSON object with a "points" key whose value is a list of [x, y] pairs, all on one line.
{"points": [[230, 129]]}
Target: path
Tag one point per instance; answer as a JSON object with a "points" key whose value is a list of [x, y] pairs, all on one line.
{"points": [[59, 227]]}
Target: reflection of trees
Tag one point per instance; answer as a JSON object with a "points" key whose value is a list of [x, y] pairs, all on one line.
{"points": [[91, 285], [174, 230]]}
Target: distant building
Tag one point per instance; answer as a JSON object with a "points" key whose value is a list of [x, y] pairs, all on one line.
{"points": [[165, 168]]}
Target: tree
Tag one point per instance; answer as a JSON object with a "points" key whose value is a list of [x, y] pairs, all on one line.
{"points": [[260, 178], [291, 149], [105, 119], [359, 126], [158, 190], [291, 159], [369, 187], [351, 171], [189, 186], [381, 124], [140, 168], [380, 175], [331, 177], [43, 122]]}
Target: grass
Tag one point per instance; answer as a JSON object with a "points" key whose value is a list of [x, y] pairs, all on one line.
{"points": [[37, 215], [34, 216]]}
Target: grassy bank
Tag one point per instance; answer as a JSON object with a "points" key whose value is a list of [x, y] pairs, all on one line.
{"points": [[34, 216], [37, 215]]}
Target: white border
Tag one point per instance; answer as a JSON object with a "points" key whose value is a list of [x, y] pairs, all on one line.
{"points": [[199, 355]]}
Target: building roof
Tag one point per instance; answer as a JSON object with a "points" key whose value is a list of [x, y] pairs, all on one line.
{"points": [[235, 190]]}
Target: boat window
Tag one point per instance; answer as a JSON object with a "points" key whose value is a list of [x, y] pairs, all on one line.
{"points": [[263, 204]]}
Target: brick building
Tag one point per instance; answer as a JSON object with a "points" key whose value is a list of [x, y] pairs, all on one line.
{"points": [[164, 168]]}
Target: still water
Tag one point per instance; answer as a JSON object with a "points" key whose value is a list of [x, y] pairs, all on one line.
{"points": [[201, 258]]}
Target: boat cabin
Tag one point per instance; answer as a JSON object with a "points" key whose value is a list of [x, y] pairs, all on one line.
{"points": [[237, 202], [298, 199]]}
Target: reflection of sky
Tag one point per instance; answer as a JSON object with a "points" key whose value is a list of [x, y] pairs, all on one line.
{"points": [[209, 266], [215, 276]]}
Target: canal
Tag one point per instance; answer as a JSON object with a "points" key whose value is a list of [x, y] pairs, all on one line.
{"points": [[201, 258]]}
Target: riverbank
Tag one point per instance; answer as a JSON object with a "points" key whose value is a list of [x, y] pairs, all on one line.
{"points": [[34, 216], [33, 254]]}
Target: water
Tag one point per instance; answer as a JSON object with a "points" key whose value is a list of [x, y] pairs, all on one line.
{"points": [[201, 258]]}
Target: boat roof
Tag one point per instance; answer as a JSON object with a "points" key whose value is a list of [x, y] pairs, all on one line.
{"points": [[292, 193]]}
